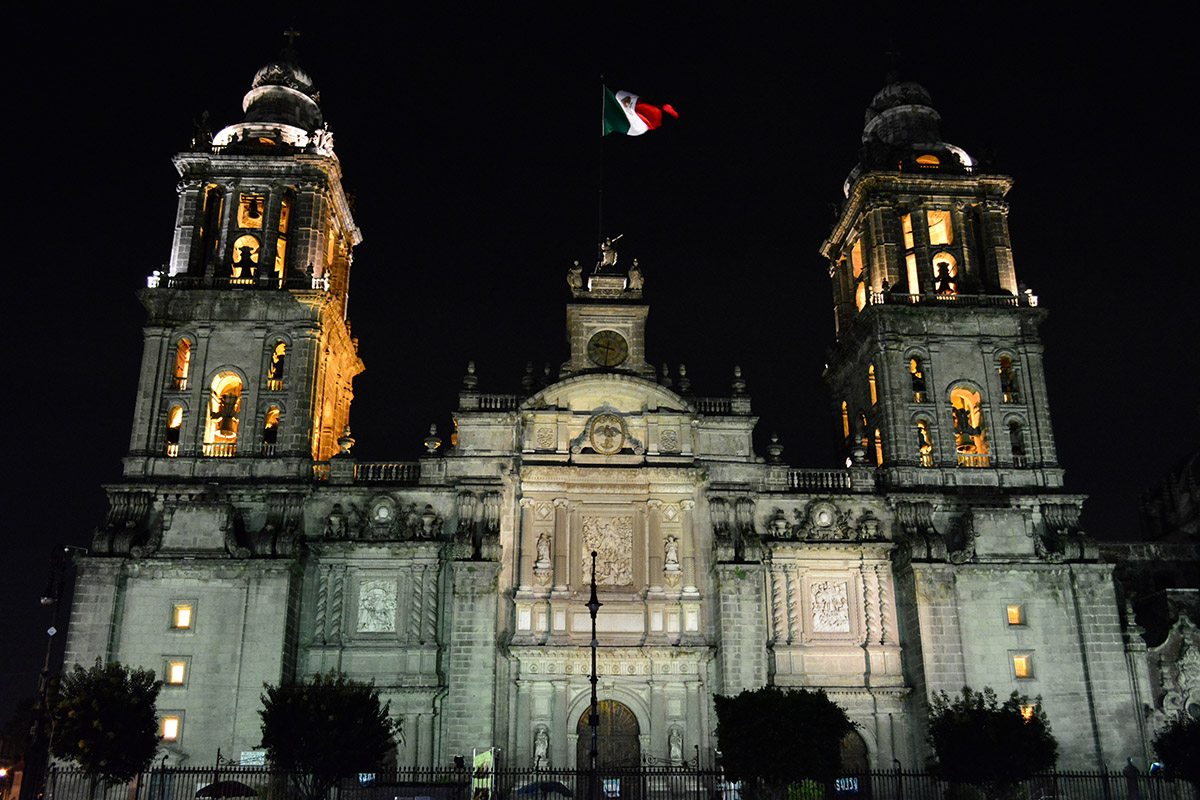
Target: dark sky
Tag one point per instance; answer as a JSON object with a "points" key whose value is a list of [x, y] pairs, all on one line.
{"points": [[470, 143]]}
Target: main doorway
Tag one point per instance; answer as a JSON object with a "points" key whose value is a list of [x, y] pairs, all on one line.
{"points": [[618, 735]]}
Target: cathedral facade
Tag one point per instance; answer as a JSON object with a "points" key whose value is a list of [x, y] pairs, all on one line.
{"points": [[247, 545]]}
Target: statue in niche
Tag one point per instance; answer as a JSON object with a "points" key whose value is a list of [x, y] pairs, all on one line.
{"points": [[671, 552], [335, 524], [541, 747], [543, 550], [675, 746]]}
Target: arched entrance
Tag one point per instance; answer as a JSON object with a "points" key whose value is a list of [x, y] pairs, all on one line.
{"points": [[855, 757], [619, 745]]}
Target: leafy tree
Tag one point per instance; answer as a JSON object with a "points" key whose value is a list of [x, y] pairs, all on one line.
{"points": [[327, 728], [990, 745], [103, 718], [772, 738], [1178, 745]]}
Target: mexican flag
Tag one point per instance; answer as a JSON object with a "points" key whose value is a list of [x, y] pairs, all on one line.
{"points": [[625, 112]]}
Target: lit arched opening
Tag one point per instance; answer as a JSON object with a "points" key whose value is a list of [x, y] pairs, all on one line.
{"points": [[917, 374], [856, 267], [183, 364], [245, 256], [618, 738], [275, 370], [871, 382], [928, 161], [945, 270], [270, 433], [1016, 441], [1008, 380], [924, 444], [878, 448], [845, 421], [970, 438], [224, 407], [174, 428]]}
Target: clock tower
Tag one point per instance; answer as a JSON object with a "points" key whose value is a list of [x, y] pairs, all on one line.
{"points": [[606, 326]]}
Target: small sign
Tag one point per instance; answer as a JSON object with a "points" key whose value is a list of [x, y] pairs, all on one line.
{"points": [[253, 758]]}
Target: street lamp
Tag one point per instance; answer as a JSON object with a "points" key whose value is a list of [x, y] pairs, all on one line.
{"points": [[593, 605], [35, 759]]}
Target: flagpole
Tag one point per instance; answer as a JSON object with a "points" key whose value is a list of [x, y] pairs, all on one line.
{"points": [[600, 197]]}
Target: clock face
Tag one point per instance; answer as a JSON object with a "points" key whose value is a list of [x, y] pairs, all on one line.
{"points": [[607, 348]]}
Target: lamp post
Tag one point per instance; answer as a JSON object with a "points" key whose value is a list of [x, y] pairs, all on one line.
{"points": [[593, 605], [35, 759]]}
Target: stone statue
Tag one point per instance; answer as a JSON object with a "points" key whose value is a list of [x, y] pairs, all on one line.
{"points": [[541, 747], [671, 552], [675, 746], [636, 281], [335, 523], [575, 277], [608, 253], [543, 550]]}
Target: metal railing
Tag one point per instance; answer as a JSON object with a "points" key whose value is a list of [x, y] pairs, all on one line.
{"points": [[635, 783], [819, 480], [388, 471], [878, 298]]}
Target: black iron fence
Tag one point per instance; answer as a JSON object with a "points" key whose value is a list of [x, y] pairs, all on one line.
{"points": [[643, 783]]}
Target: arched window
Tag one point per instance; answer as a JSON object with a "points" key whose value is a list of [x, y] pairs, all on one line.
{"points": [[845, 421], [945, 271], [871, 381], [285, 213], [174, 427], [970, 438], [1016, 440], [878, 448], [924, 444], [1008, 380], [917, 374], [245, 257], [224, 407], [183, 364], [864, 432], [860, 280], [270, 430], [910, 256], [275, 370], [941, 229], [926, 161]]}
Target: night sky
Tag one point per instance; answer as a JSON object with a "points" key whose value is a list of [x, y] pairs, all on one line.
{"points": [[471, 145]]}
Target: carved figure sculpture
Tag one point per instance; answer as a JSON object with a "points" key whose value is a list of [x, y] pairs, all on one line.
{"points": [[543, 550], [675, 746], [636, 281], [608, 253], [575, 277], [671, 552], [335, 523], [541, 747]]}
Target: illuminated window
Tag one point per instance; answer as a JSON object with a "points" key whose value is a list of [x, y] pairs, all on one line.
{"points": [[285, 213], [1008, 380], [1027, 712], [871, 382], [170, 729], [924, 444], [845, 421], [174, 426], [1023, 665], [856, 265], [224, 406], [1016, 440], [906, 224], [250, 210], [181, 616], [878, 448], [270, 430], [945, 273], [245, 256], [183, 364], [970, 438], [1016, 615], [928, 160], [864, 432], [917, 374], [280, 256], [275, 370], [941, 230], [176, 672], [910, 265]]}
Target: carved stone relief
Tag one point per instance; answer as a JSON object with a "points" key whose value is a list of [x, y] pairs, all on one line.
{"points": [[607, 433], [377, 606], [612, 539], [830, 607], [671, 569], [546, 438], [668, 440]]}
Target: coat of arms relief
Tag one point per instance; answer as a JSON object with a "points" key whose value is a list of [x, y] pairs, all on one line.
{"points": [[612, 539]]}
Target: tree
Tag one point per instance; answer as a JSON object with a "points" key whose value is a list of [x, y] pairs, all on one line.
{"points": [[327, 728], [772, 738], [103, 718], [990, 745], [1177, 745]]}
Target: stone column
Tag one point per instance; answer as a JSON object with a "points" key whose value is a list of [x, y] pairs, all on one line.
{"points": [[560, 725], [522, 735], [470, 702], [687, 546], [654, 545], [562, 544], [526, 547]]}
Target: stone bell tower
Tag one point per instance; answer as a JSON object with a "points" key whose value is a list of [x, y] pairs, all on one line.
{"points": [[937, 376], [248, 357]]}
